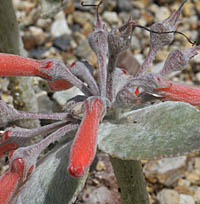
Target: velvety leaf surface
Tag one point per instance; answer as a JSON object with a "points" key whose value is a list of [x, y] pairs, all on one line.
{"points": [[51, 183], [162, 130]]}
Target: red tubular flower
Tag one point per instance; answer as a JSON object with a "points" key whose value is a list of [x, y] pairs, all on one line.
{"points": [[10, 180], [180, 92], [13, 65], [84, 146]]}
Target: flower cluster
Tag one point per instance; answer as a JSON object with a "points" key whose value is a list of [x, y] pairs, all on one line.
{"points": [[114, 88]]}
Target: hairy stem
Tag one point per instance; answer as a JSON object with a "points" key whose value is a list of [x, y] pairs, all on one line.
{"points": [[147, 62], [111, 67], [82, 72], [48, 116], [102, 73]]}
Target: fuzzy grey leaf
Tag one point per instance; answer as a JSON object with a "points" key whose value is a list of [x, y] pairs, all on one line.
{"points": [[51, 183], [162, 130]]}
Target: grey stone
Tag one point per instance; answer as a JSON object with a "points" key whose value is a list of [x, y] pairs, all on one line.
{"points": [[162, 13], [167, 171], [45, 105], [111, 17], [186, 199], [62, 42], [63, 96], [37, 53], [124, 5], [60, 27], [167, 196], [83, 50], [101, 195]]}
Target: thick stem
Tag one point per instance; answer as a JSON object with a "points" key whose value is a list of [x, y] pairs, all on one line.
{"points": [[9, 33], [131, 181], [10, 42]]}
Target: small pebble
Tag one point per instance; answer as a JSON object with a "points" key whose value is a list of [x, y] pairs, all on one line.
{"points": [[100, 166], [60, 27], [162, 13], [197, 195], [83, 50], [38, 34], [186, 199], [167, 171], [111, 17], [124, 5], [63, 96], [188, 9], [82, 17], [62, 42], [167, 196], [194, 176]]}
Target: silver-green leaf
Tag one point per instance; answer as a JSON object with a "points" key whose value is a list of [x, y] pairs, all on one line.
{"points": [[50, 183], [163, 130]]}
